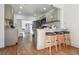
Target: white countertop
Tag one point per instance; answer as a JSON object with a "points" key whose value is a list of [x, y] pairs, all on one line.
{"points": [[54, 30]]}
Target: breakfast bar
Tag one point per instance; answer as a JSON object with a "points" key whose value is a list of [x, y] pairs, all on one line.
{"points": [[48, 38]]}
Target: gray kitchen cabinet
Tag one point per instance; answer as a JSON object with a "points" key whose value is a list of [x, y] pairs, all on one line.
{"points": [[53, 15]]}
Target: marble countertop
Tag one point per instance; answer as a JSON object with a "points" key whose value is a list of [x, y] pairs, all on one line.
{"points": [[55, 30]]}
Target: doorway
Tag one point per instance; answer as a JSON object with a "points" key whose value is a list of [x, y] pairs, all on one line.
{"points": [[27, 31]]}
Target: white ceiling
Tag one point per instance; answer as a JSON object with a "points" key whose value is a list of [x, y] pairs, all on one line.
{"points": [[32, 9]]}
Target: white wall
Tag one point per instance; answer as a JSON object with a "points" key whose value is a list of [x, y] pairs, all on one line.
{"points": [[1, 25], [71, 21]]}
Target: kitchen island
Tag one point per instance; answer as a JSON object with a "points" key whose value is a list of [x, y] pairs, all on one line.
{"points": [[41, 37]]}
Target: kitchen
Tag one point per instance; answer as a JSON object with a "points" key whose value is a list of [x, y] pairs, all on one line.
{"points": [[50, 23], [48, 26]]}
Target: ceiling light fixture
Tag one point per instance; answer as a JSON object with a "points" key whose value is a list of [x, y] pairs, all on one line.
{"points": [[20, 7], [51, 16], [44, 8]]}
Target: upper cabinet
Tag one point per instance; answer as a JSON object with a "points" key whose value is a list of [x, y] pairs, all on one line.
{"points": [[8, 12], [8, 16], [53, 15]]}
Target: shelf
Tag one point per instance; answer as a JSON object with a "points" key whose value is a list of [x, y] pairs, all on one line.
{"points": [[53, 21]]}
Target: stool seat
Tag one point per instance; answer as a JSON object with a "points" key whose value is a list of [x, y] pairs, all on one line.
{"points": [[67, 37], [59, 32], [66, 32], [50, 33], [51, 38]]}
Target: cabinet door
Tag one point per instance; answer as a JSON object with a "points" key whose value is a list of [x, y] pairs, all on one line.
{"points": [[43, 21], [8, 12], [53, 15], [48, 19]]}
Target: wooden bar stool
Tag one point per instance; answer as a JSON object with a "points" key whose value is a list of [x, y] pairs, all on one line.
{"points": [[51, 39], [55, 41], [60, 38], [67, 38]]}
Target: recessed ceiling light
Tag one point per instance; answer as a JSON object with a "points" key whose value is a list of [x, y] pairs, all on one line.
{"points": [[20, 7], [19, 12], [51, 16], [44, 8]]}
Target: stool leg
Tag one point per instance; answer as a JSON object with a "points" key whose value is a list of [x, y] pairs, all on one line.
{"points": [[56, 43], [64, 40], [64, 44], [56, 47], [59, 43], [67, 39], [50, 49], [59, 46]]}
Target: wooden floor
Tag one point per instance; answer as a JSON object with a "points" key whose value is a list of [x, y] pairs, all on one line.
{"points": [[27, 48]]}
